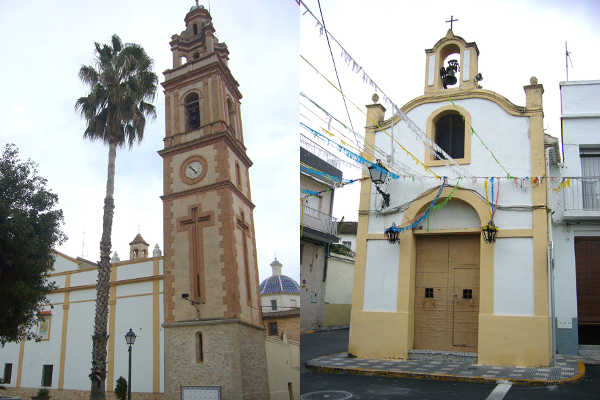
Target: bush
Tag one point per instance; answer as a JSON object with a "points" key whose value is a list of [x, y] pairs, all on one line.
{"points": [[121, 388]]}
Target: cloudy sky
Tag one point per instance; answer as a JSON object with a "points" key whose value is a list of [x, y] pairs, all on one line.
{"points": [[516, 40], [44, 43]]}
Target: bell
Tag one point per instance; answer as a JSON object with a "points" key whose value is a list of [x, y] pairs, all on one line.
{"points": [[450, 78], [448, 74]]}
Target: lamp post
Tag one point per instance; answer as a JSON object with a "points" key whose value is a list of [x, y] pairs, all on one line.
{"points": [[130, 339]]}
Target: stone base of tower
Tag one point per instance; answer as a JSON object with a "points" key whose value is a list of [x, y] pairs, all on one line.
{"points": [[231, 356]]}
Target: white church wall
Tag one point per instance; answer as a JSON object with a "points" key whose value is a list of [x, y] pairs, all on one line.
{"points": [[79, 345], [455, 215], [497, 128], [9, 353], [59, 281], [513, 276], [45, 352], [381, 277], [133, 289], [135, 313], [61, 264], [83, 295], [84, 278], [137, 270]]}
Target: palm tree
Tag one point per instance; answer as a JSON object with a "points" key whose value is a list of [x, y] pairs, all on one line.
{"points": [[122, 87]]}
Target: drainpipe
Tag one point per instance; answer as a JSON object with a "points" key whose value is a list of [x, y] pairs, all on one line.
{"points": [[551, 263]]}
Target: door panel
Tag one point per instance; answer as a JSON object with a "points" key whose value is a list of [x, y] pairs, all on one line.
{"points": [[447, 293]]}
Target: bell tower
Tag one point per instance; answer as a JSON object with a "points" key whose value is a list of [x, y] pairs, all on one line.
{"points": [[213, 332], [451, 56]]}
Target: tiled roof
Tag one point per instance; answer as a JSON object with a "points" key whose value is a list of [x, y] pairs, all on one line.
{"points": [[279, 284], [138, 239]]}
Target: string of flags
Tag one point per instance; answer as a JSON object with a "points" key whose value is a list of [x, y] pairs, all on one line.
{"points": [[350, 154], [393, 230]]}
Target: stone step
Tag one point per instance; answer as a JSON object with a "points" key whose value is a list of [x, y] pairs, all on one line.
{"points": [[438, 355]]}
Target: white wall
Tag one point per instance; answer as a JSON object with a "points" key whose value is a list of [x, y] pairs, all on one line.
{"points": [[513, 276], [340, 279], [284, 301], [381, 276], [133, 311]]}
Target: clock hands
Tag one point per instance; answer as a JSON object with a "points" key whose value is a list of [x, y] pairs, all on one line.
{"points": [[192, 168]]}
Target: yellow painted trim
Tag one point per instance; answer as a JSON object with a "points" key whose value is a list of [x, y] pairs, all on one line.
{"points": [[63, 340], [113, 266], [375, 114], [431, 120], [375, 236], [156, 332], [20, 369], [460, 94], [459, 231], [112, 283], [112, 312]]}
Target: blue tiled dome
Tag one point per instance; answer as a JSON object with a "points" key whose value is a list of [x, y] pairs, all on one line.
{"points": [[279, 284]]}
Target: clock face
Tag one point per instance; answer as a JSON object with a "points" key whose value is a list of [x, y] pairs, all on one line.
{"points": [[193, 170]]}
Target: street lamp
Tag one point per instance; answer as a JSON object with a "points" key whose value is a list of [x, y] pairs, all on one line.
{"points": [[130, 339], [379, 175]]}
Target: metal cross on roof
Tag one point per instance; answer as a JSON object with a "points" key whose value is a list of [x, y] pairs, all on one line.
{"points": [[451, 20]]}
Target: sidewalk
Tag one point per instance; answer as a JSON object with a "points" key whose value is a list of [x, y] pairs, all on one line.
{"points": [[453, 366]]}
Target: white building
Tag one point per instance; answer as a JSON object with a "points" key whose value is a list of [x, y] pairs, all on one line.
{"points": [[61, 360], [575, 203]]}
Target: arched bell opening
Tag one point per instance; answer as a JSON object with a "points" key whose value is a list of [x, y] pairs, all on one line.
{"points": [[450, 66]]}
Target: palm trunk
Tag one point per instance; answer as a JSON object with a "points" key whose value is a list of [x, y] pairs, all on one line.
{"points": [[100, 337]]}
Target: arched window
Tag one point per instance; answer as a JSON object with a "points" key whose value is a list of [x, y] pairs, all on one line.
{"points": [[231, 115], [192, 112], [195, 26], [450, 134]]}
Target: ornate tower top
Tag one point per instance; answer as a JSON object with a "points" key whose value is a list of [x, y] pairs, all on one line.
{"points": [[451, 55], [198, 40]]}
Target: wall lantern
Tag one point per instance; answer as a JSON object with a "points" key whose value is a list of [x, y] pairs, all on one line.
{"points": [[392, 234], [379, 175], [489, 231]]}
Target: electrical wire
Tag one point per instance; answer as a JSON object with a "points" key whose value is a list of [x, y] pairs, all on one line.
{"points": [[336, 71]]}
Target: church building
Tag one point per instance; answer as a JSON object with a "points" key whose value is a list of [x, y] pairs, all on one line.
{"points": [[196, 309], [428, 279]]}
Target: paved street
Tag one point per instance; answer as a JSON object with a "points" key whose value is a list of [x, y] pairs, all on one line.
{"points": [[316, 385]]}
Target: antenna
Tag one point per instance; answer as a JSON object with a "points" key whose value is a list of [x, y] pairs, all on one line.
{"points": [[567, 60]]}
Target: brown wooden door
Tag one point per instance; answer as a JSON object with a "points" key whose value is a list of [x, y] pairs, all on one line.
{"points": [[447, 293], [587, 261]]}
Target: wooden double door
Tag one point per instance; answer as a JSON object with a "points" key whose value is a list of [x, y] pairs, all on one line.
{"points": [[447, 293], [587, 264]]}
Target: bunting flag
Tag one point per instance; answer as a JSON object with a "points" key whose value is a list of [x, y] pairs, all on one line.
{"points": [[508, 175], [421, 217], [310, 192], [566, 182], [351, 154]]}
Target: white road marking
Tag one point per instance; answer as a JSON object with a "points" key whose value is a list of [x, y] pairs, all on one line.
{"points": [[500, 390]]}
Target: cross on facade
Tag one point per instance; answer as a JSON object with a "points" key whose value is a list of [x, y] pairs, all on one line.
{"points": [[194, 225], [451, 20], [241, 223]]}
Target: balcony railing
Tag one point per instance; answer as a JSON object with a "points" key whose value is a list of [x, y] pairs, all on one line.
{"points": [[319, 221], [580, 197]]}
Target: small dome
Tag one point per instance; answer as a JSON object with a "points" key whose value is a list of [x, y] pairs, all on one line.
{"points": [[279, 284]]}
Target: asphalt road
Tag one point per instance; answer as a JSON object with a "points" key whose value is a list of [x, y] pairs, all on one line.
{"points": [[317, 386]]}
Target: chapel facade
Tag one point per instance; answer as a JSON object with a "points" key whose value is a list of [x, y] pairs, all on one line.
{"points": [[441, 286]]}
